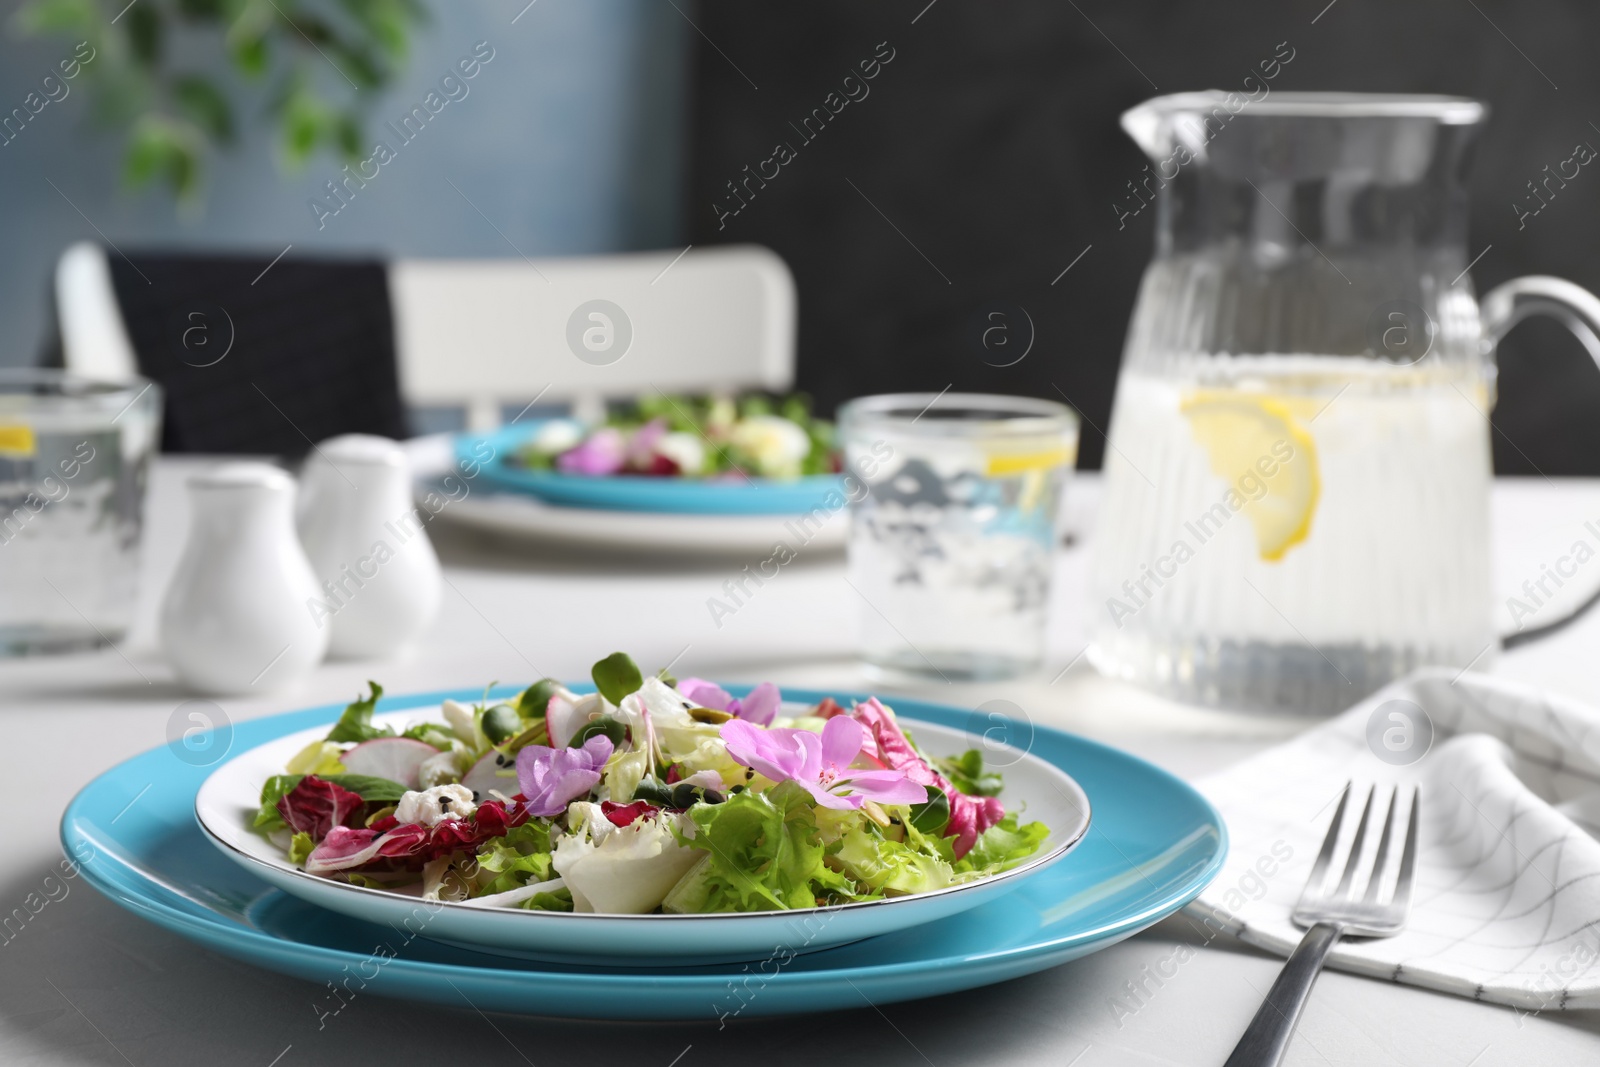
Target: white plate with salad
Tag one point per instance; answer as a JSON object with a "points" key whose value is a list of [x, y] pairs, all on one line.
{"points": [[457, 492], [651, 821]]}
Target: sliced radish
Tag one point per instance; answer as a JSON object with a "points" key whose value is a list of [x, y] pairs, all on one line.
{"points": [[485, 775], [395, 758]]}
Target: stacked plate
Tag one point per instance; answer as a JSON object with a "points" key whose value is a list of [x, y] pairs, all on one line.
{"points": [[468, 479], [1130, 844]]}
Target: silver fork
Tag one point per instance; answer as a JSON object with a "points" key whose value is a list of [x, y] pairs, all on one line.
{"points": [[1328, 917]]}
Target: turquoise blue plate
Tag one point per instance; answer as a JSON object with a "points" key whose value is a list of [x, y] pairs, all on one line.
{"points": [[1153, 845], [492, 455]]}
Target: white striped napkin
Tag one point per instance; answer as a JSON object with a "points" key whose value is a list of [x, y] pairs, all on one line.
{"points": [[1506, 906]]}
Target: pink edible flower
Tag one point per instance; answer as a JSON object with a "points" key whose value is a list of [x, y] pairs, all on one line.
{"points": [[602, 452], [819, 764], [969, 816], [642, 447], [759, 706]]}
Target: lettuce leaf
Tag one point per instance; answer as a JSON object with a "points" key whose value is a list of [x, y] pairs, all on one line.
{"points": [[966, 773], [356, 722], [560, 900], [518, 858], [430, 733], [891, 866], [1001, 847], [319, 758], [763, 853], [300, 847]]}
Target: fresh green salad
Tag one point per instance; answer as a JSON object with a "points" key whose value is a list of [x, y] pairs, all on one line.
{"points": [[651, 794], [690, 437]]}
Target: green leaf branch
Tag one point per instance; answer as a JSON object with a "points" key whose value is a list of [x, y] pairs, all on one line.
{"points": [[307, 68]]}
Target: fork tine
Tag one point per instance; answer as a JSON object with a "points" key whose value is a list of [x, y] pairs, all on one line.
{"points": [[1408, 856], [1376, 878], [1355, 847], [1319, 869]]}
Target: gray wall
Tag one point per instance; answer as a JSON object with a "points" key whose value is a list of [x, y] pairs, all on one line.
{"points": [[571, 140]]}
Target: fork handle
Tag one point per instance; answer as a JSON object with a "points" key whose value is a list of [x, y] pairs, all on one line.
{"points": [[1268, 1035]]}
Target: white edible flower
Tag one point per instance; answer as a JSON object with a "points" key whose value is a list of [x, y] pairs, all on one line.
{"points": [[684, 449], [464, 723], [778, 445], [696, 746], [434, 805], [621, 870], [557, 435]]}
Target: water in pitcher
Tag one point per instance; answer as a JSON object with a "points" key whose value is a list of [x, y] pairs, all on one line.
{"points": [[1287, 527]]}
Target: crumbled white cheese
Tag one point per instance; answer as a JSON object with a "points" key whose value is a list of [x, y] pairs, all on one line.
{"points": [[447, 765], [433, 806]]}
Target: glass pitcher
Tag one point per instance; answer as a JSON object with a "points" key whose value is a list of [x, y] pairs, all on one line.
{"points": [[1297, 475]]}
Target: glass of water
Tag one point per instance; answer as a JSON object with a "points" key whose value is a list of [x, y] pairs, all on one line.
{"points": [[955, 512], [74, 460]]}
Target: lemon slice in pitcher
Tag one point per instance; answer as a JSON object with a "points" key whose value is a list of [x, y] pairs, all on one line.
{"points": [[1260, 448]]}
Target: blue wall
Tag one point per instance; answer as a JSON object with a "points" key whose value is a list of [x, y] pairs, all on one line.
{"points": [[570, 140]]}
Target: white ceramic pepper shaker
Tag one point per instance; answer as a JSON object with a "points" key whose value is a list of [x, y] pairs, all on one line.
{"points": [[378, 573], [235, 619]]}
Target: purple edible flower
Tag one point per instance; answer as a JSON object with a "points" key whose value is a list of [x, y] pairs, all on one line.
{"points": [[602, 452], [759, 706], [552, 778], [819, 764]]}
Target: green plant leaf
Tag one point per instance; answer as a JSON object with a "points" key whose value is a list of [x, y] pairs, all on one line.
{"points": [[200, 10], [55, 16], [616, 676], [250, 53], [615, 729], [347, 132], [204, 103], [146, 155], [359, 65], [303, 125], [932, 816], [145, 33]]}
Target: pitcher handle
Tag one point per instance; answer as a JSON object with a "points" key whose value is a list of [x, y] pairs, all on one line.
{"points": [[1538, 294], [1579, 311]]}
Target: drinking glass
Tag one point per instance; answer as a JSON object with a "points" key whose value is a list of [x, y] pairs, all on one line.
{"points": [[955, 502], [74, 460]]}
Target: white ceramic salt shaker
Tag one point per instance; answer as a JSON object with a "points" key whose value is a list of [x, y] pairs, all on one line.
{"points": [[235, 619], [379, 576]]}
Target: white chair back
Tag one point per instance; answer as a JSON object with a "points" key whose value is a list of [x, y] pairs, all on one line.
{"points": [[489, 333], [94, 342]]}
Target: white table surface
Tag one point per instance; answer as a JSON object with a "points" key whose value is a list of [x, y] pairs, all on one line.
{"points": [[87, 983]]}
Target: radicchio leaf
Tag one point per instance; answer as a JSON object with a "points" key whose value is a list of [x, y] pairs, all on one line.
{"points": [[316, 806]]}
